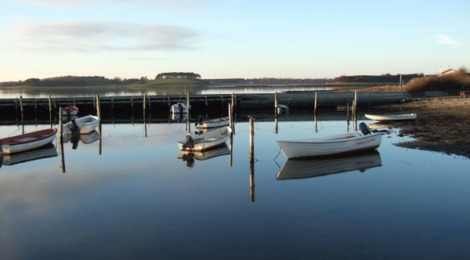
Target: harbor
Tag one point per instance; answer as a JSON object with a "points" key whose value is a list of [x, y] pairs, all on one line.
{"points": [[14, 109]]}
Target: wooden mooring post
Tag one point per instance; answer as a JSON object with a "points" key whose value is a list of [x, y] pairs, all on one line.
{"points": [[61, 141], [315, 104], [22, 111], [98, 107], [50, 109]]}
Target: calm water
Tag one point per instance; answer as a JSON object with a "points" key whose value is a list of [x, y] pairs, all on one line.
{"points": [[129, 91], [129, 196]]}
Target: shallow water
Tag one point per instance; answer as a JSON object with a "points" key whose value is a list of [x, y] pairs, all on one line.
{"points": [[128, 195]]}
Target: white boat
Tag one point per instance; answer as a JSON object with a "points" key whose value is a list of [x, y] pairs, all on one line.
{"points": [[179, 108], [28, 141], [212, 123], [316, 167], [206, 141], [46, 151], [329, 145], [391, 117], [81, 125]]}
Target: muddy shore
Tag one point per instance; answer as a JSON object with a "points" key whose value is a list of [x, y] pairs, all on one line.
{"points": [[442, 124]]}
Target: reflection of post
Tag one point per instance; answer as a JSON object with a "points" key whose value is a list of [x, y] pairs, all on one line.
{"points": [[252, 181], [316, 124], [276, 123], [61, 141], [99, 140], [252, 161], [230, 162]]}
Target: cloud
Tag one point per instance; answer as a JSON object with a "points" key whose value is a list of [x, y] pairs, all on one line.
{"points": [[446, 40], [105, 36], [174, 5]]}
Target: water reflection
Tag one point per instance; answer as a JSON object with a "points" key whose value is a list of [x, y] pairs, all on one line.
{"points": [[84, 138], [309, 168], [190, 156], [32, 155]]}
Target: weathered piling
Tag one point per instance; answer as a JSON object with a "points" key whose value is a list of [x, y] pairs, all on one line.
{"points": [[98, 107], [50, 109], [252, 138], [275, 102], [188, 115], [21, 110], [315, 104], [61, 141]]}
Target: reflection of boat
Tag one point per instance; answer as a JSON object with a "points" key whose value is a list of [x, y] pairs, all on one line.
{"points": [[329, 145], [297, 169], [82, 125], [394, 117], [70, 110], [179, 108], [178, 117], [189, 156], [92, 137], [212, 123], [86, 139], [46, 151], [29, 141], [206, 141]]}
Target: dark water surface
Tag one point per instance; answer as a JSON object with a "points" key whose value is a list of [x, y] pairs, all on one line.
{"points": [[129, 196]]}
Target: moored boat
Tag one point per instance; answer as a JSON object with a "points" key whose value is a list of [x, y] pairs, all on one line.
{"points": [[81, 125], [329, 145], [28, 141], [391, 117], [206, 141]]}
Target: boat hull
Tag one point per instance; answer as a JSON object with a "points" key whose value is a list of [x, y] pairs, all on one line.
{"points": [[340, 144], [395, 117], [209, 140], [29, 141], [86, 125]]}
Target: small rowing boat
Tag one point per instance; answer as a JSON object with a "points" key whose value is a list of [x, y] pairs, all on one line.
{"points": [[81, 125], [28, 141], [330, 145], [209, 140], [391, 117]]}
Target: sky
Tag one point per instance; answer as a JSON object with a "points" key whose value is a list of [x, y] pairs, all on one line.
{"points": [[231, 39]]}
